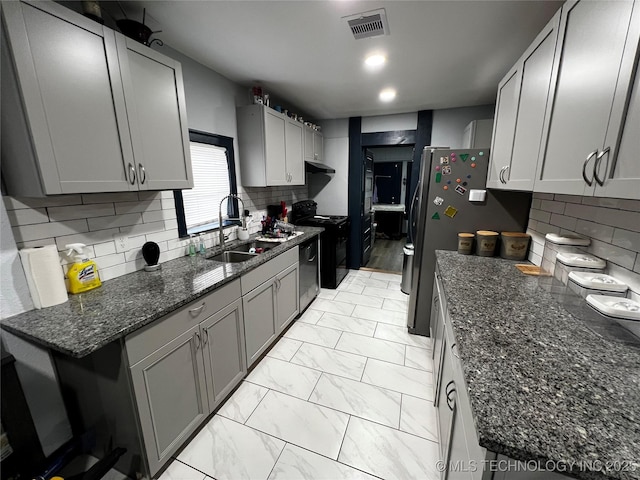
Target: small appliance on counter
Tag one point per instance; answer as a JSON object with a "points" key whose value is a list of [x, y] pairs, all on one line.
{"points": [[151, 255], [333, 241], [576, 262], [586, 283]]}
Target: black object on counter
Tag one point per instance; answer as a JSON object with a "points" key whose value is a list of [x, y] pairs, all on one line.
{"points": [[151, 255]]}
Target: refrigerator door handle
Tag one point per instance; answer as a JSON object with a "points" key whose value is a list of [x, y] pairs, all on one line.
{"points": [[412, 210]]}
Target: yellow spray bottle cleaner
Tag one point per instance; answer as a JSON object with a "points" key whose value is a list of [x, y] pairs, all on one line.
{"points": [[83, 274]]}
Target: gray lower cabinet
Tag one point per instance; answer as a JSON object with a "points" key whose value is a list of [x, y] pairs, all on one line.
{"points": [[183, 366], [270, 300], [171, 396], [460, 449], [260, 321], [224, 352], [287, 297]]}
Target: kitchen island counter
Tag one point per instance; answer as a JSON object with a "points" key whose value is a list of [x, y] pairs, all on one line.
{"points": [[542, 384], [91, 320]]}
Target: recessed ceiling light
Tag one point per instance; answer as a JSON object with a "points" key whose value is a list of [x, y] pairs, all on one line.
{"points": [[387, 94], [375, 60]]}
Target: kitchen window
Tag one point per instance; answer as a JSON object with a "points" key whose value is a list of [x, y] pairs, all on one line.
{"points": [[214, 177]]}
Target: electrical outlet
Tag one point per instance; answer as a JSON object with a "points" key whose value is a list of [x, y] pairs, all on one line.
{"points": [[122, 242]]}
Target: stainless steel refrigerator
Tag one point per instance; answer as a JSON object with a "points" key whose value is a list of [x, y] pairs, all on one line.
{"points": [[443, 206]]}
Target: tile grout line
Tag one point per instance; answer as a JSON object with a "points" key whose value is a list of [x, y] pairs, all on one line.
{"points": [[277, 459], [314, 388]]}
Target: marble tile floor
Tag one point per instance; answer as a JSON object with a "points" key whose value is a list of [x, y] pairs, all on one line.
{"points": [[346, 393]]}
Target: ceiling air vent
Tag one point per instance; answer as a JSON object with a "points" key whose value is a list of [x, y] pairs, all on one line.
{"points": [[368, 24]]}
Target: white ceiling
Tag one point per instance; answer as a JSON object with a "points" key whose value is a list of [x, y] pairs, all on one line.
{"points": [[441, 54]]}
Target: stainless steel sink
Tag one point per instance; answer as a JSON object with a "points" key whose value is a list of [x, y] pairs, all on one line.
{"points": [[233, 257], [248, 246]]}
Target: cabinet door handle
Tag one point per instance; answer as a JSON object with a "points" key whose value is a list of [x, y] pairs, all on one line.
{"points": [[205, 337], [506, 169], [451, 400], [584, 167], [132, 175], [500, 175], [454, 352], [277, 284], [596, 166], [197, 310], [196, 339], [143, 174]]}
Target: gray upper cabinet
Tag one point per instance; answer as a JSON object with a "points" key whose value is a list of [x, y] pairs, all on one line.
{"points": [[591, 79], [224, 351], [271, 147], [62, 81], [84, 109], [520, 111], [618, 173], [171, 395], [505, 121], [156, 108]]}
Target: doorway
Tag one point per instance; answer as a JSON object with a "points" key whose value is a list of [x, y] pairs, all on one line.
{"points": [[392, 174]]}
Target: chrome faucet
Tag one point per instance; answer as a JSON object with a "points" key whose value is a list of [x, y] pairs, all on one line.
{"points": [[222, 236]]}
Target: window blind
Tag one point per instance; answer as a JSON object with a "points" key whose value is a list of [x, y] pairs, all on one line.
{"points": [[211, 184]]}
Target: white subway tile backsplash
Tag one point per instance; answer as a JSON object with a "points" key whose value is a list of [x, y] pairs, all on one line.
{"points": [[110, 260], [138, 206], [626, 239], [563, 221], [36, 243], [80, 211], [88, 238], [568, 198], [535, 258], [171, 224], [13, 203], [106, 248], [552, 206], [118, 270], [540, 215], [543, 196], [536, 203], [594, 230], [28, 216], [142, 228], [606, 216], [617, 203], [545, 228], [161, 236], [126, 220], [110, 197], [167, 203], [46, 230], [156, 216], [612, 253]]}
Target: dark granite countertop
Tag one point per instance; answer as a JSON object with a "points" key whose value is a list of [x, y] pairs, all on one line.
{"points": [[120, 306], [544, 382]]}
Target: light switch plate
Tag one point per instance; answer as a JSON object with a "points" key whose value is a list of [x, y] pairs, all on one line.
{"points": [[477, 195]]}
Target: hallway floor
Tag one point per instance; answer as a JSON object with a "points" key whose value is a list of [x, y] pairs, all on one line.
{"points": [[387, 255], [346, 393]]}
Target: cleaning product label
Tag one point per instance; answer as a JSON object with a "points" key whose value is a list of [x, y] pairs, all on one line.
{"points": [[87, 274]]}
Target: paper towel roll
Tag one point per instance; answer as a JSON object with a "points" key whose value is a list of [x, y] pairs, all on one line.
{"points": [[44, 275]]}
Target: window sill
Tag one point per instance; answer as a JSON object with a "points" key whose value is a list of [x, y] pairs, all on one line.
{"points": [[211, 227]]}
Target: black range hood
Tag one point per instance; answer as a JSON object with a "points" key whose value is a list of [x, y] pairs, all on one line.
{"points": [[317, 167]]}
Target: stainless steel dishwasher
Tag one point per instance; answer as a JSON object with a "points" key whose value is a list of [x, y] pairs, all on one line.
{"points": [[309, 272]]}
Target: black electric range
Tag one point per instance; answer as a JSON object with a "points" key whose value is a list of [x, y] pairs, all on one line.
{"points": [[333, 241]]}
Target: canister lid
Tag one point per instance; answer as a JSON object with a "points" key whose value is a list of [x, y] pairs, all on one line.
{"points": [[615, 306], [580, 260], [487, 233], [515, 234], [466, 235], [598, 281], [567, 240]]}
